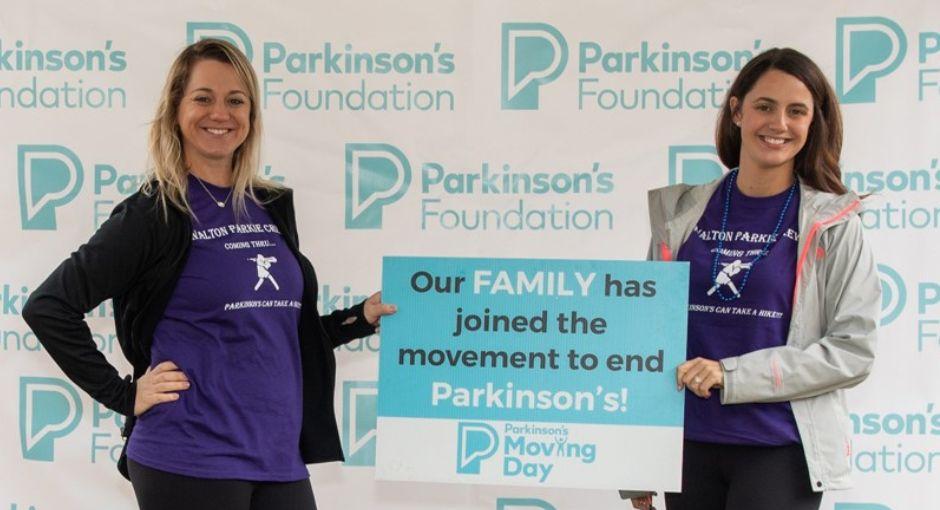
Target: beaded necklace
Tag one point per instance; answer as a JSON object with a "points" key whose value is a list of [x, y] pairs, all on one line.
{"points": [[724, 224]]}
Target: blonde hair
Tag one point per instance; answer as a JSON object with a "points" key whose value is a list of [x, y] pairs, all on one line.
{"points": [[168, 176]]}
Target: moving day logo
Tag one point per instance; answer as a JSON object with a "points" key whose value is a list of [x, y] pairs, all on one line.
{"points": [[377, 174], [49, 176], [533, 54], [360, 406], [50, 408], [867, 48], [476, 442], [229, 32], [694, 164]]}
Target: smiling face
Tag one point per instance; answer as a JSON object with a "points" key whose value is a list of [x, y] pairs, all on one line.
{"points": [[774, 117], [214, 114]]}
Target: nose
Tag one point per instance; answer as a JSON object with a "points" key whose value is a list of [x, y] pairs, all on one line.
{"points": [[778, 121], [219, 111]]}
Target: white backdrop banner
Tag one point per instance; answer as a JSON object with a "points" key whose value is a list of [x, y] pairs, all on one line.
{"points": [[455, 102]]}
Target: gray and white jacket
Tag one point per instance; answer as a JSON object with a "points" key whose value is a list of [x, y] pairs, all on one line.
{"points": [[831, 342]]}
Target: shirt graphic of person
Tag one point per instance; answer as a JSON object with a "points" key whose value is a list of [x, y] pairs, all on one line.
{"points": [[723, 278], [264, 264]]}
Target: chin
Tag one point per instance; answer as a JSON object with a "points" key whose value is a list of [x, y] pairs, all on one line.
{"points": [[775, 161], [218, 154]]}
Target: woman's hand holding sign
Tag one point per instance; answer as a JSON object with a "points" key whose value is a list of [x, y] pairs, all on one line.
{"points": [[700, 375]]}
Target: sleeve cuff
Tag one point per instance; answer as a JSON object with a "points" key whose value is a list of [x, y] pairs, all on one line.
{"points": [[354, 323], [360, 327], [130, 396], [728, 366]]}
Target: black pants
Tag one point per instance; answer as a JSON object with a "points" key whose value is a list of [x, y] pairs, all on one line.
{"points": [[731, 477], [159, 490]]}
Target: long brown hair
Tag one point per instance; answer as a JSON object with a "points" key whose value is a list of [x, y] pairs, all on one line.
{"points": [[817, 163], [168, 175]]}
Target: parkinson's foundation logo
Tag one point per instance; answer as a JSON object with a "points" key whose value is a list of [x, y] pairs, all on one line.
{"points": [[867, 49], [360, 406], [605, 73], [533, 55], [377, 174], [476, 442], [415, 77], [50, 408], [694, 164], [50, 176], [523, 503], [229, 32], [68, 75], [489, 195], [893, 294]]}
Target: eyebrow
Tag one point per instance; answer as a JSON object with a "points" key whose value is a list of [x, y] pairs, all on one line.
{"points": [[207, 89], [774, 101]]}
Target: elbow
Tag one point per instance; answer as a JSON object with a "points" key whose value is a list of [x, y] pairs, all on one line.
{"points": [[867, 361], [865, 370], [31, 311], [41, 312], [861, 369]]}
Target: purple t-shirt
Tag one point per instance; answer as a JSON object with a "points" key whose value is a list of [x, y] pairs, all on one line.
{"points": [[758, 319], [232, 327]]}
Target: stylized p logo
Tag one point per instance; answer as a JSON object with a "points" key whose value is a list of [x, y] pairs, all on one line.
{"points": [[520, 503], [533, 54], [694, 164], [49, 408], [893, 294], [229, 32], [50, 176], [476, 442], [360, 403], [867, 48], [377, 174]]}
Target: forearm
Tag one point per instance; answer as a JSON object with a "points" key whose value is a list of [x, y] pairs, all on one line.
{"points": [[786, 373]]}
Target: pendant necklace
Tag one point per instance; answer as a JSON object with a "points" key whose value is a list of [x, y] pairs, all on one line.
{"points": [[217, 202]]}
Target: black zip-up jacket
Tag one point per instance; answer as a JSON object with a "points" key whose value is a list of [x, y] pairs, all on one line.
{"points": [[136, 258]]}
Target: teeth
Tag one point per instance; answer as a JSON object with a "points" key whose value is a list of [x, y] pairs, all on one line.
{"points": [[217, 131], [775, 141]]}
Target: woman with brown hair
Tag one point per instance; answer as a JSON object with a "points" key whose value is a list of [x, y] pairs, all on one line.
{"points": [[784, 297], [215, 308]]}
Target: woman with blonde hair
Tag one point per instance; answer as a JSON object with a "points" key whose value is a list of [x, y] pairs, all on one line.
{"points": [[232, 390]]}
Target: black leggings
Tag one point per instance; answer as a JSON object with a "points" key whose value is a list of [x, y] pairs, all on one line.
{"points": [[159, 490], [732, 477]]}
